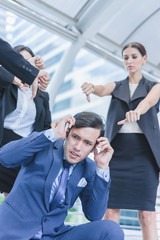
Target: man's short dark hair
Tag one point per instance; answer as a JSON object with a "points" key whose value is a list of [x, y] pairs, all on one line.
{"points": [[90, 119]]}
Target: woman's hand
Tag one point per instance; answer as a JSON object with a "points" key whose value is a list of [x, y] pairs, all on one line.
{"points": [[131, 116], [88, 88]]}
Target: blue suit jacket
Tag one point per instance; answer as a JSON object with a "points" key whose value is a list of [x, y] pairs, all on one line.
{"points": [[26, 209]]}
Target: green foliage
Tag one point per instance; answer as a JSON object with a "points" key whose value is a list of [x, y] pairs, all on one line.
{"points": [[1, 199]]}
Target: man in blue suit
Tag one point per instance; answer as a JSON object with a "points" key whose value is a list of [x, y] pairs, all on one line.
{"points": [[32, 209]]}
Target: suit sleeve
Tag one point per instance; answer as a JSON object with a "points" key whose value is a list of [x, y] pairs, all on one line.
{"points": [[94, 198], [16, 64], [21, 152], [47, 120], [6, 78]]}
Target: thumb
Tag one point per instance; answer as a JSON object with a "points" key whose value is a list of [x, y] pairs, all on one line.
{"points": [[34, 88], [88, 98], [122, 122]]}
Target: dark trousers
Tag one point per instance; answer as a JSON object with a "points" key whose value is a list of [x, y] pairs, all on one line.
{"points": [[97, 230]]}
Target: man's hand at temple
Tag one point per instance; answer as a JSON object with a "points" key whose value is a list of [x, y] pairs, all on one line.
{"points": [[103, 153], [62, 126]]}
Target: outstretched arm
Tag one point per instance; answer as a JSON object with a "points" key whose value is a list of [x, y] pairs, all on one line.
{"points": [[16, 64], [99, 90], [149, 101], [22, 151]]}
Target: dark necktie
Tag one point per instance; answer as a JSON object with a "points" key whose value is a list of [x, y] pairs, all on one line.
{"points": [[62, 186]]}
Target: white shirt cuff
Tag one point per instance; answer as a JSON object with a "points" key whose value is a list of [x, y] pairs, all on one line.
{"points": [[50, 135], [105, 174]]}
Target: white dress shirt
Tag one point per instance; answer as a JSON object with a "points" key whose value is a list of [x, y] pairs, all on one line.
{"points": [[22, 119], [131, 127]]}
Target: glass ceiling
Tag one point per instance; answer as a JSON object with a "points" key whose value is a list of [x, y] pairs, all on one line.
{"points": [[121, 21]]}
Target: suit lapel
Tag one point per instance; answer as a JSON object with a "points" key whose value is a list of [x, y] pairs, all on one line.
{"points": [[122, 92], [140, 91], [39, 106], [14, 91], [57, 156], [11, 96]]}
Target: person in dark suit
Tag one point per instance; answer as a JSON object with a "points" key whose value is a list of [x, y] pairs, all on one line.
{"points": [[20, 115], [136, 163], [32, 207], [19, 67]]}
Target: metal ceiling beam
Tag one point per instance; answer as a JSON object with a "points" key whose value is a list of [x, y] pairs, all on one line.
{"points": [[117, 52], [107, 55], [81, 35], [84, 8], [69, 34], [139, 26], [35, 18], [89, 25], [48, 11]]}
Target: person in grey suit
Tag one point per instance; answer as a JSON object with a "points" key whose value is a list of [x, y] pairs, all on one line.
{"points": [[136, 163], [22, 69], [55, 171]]}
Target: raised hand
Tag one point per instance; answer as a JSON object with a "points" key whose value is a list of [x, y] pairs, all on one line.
{"points": [[61, 127], [131, 116], [37, 61], [103, 153]]}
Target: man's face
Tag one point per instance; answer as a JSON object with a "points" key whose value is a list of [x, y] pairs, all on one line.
{"points": [[80, 143]]}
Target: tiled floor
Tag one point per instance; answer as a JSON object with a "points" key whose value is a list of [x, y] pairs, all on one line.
{"points": [[132, 235]]}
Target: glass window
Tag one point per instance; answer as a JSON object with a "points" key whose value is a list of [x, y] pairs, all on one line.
{"points": [[66, 86], [53, 60], [62, 105]]}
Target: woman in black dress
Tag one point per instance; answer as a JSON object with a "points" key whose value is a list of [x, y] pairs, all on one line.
{"points": [[22, 114], [135, 164]]}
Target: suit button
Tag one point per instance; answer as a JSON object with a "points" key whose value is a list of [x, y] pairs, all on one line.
{"points": [[27, 68], [45, 220], [23, 66], [30, 70], [154, 127]]}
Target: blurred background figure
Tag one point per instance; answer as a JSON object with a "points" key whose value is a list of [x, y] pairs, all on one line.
{"points": [[22, 113]]}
